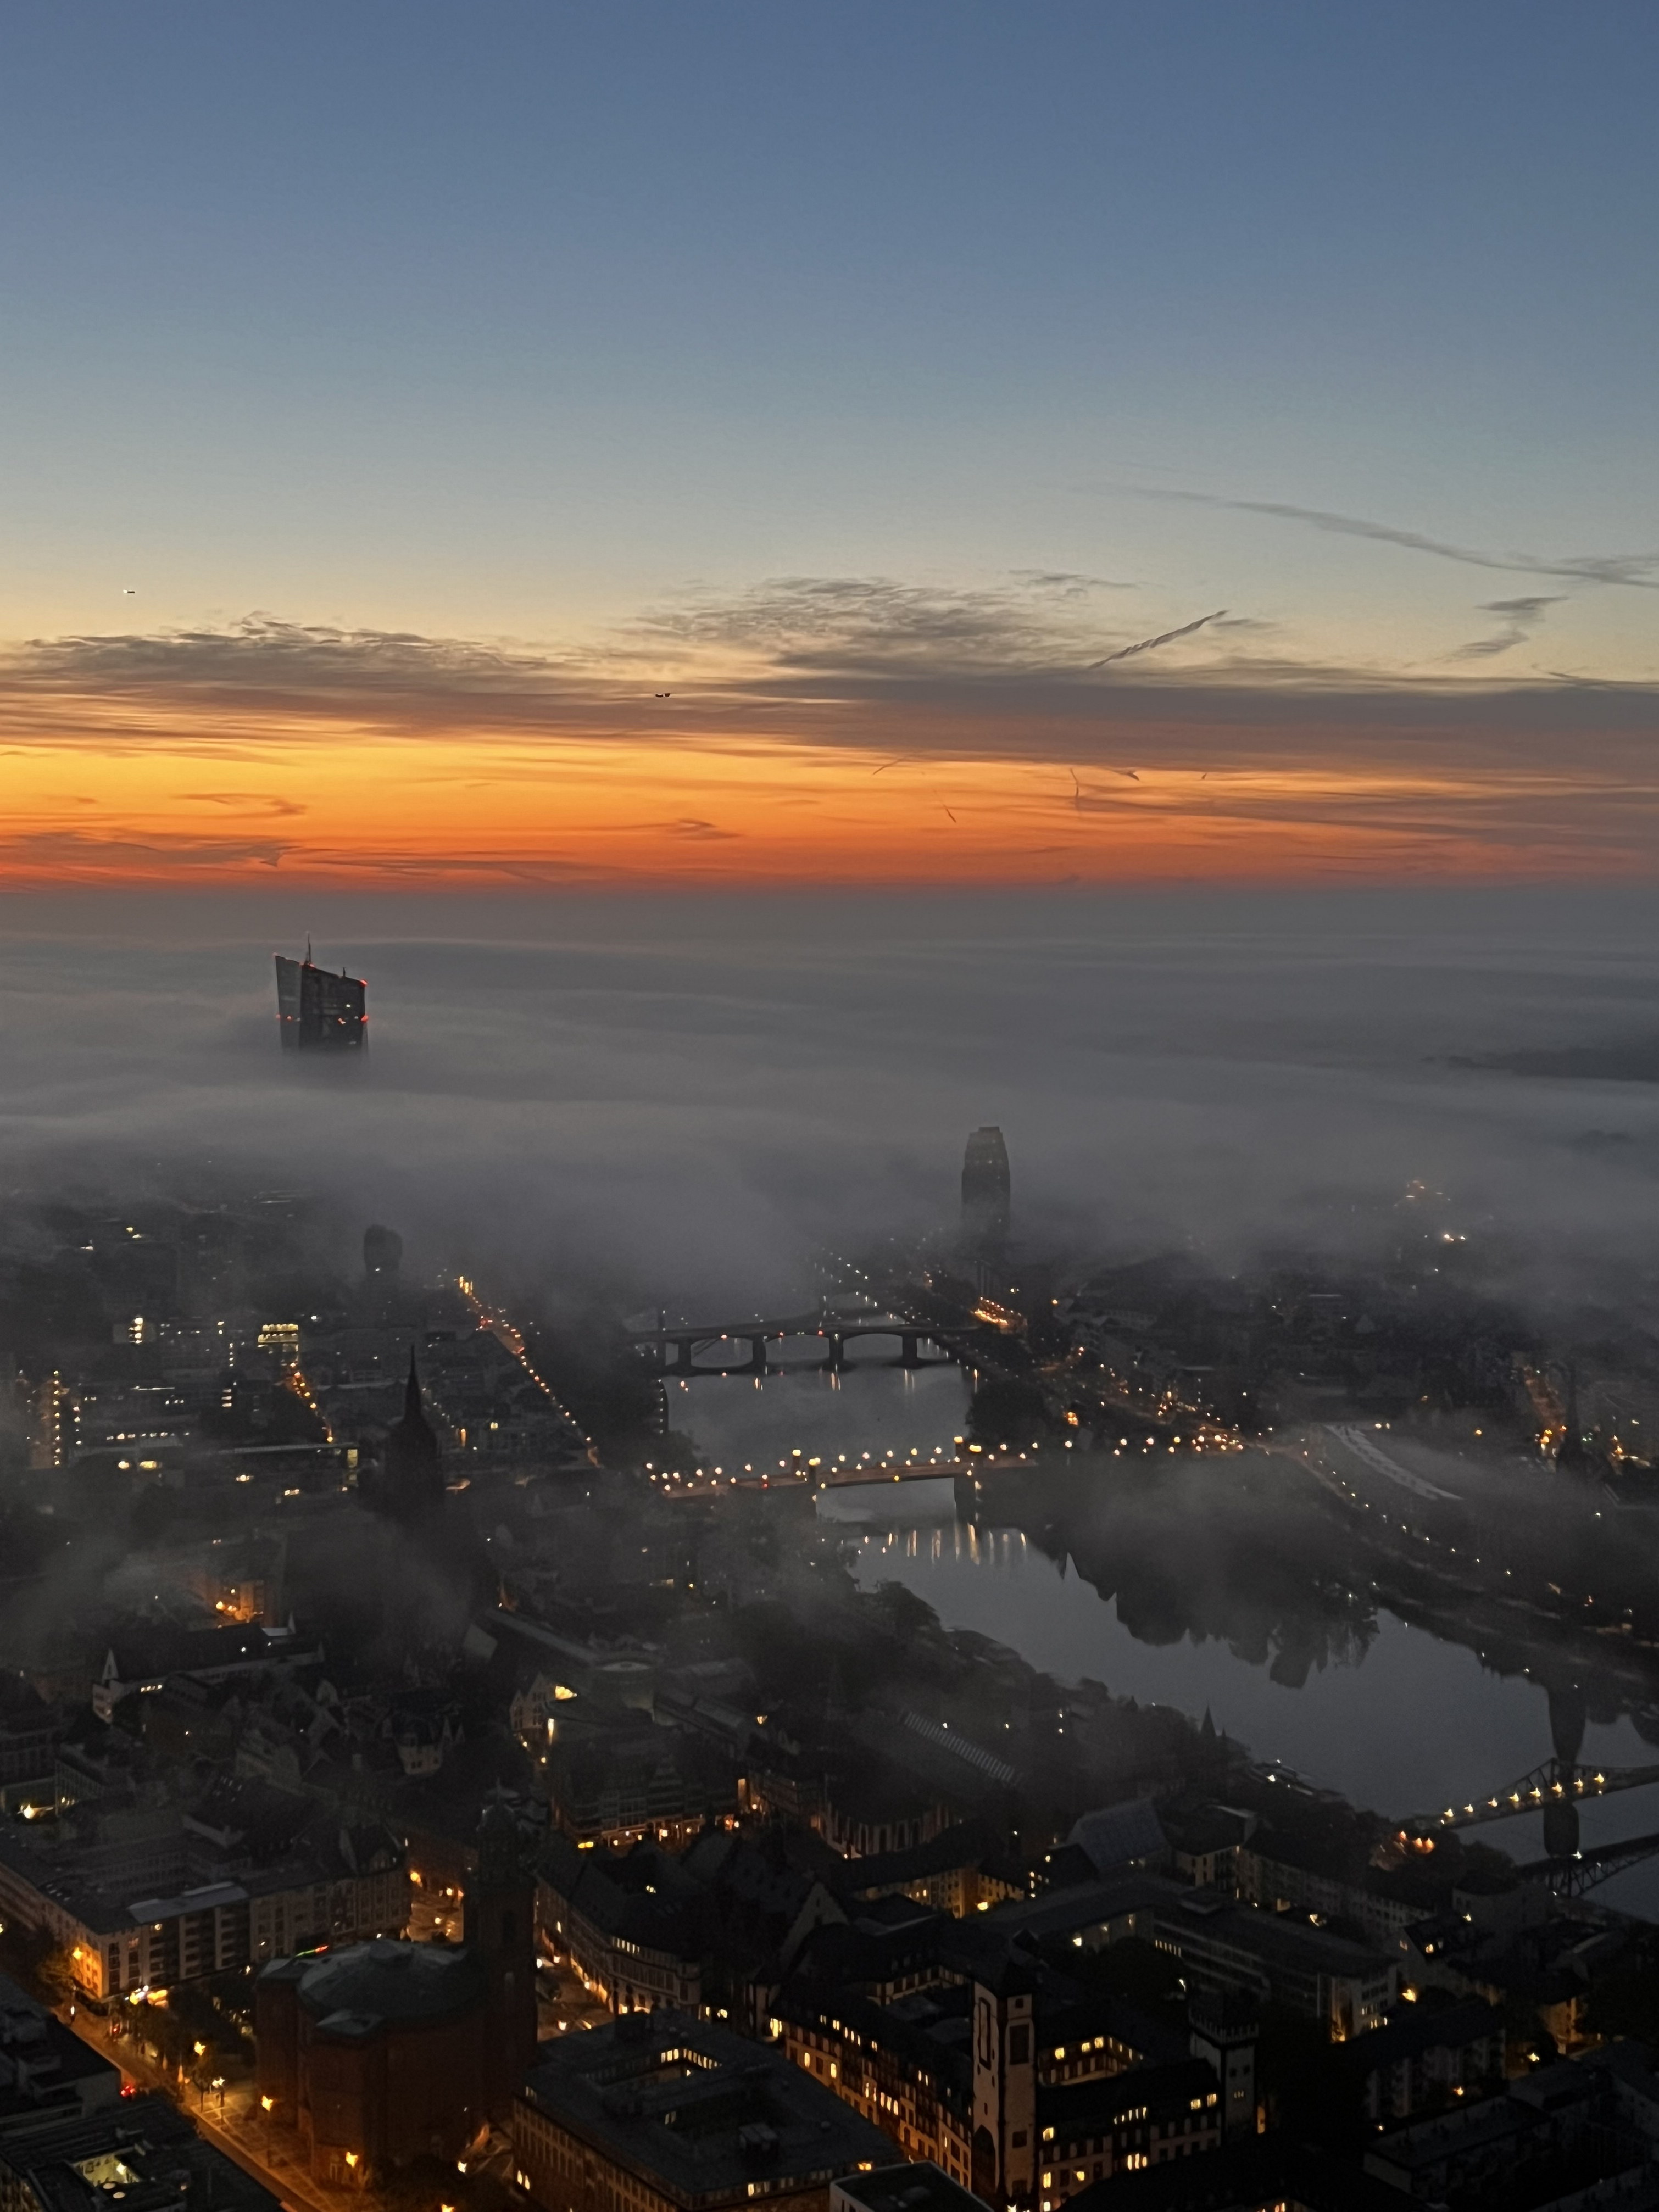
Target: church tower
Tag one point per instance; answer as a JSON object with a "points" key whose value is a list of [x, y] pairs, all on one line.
{"points": [[410, 1485], [1004, 2154], [499, 1924]]}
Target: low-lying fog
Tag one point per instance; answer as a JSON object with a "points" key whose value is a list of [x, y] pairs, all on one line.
{"points": [[686, 1094]]}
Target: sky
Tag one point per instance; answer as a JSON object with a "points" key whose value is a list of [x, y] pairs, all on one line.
{"points": [[548, 446]]}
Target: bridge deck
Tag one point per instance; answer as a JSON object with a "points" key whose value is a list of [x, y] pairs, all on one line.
{"points": [[1552, 1783], [853, 1473]]}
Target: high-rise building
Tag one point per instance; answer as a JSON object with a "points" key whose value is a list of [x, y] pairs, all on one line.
{"points": [[985, 1192], [318, 1010], [383, 1252]]}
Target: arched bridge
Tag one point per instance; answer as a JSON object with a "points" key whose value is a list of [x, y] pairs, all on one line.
{"points": [[1577, 1875], [1556, 1788], [740, 1347], [1556, 1782]]}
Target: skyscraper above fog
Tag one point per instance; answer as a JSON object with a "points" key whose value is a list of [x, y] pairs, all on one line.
{"points": [[318, 1010], [985, 1192]]}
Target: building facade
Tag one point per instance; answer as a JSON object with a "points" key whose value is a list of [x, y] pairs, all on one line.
{"points": [[318, 1010]]}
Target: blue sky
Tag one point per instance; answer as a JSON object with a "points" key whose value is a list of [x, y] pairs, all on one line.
{"points": [[514, 318]]}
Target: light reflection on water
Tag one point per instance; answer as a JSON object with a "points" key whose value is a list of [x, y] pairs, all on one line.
{"points": [[739, 1418], [1415, 1723]]}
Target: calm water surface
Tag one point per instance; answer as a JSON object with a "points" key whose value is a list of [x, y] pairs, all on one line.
{"points": [[1412, 1722]]}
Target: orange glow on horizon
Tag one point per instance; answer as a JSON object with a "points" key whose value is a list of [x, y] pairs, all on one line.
{"points": [[307, 804]]}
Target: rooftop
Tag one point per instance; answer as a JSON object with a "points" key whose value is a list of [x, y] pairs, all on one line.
{"points": [[141, 2151], [922, 2187], [701, 2114], [353, 1991]]}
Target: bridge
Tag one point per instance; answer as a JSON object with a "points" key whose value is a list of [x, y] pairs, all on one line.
{"points": [[799, 1473], [1556, 1782], [740, 1347], [1557, 1787], [1577, 1875]]}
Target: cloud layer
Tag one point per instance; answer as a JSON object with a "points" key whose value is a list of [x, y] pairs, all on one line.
{"points": [[818, 729]]}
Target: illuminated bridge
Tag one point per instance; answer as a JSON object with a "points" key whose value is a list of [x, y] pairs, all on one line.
{"points": [[740, 1347], [1556, 1789], [801, 1473], [1556, 1782]]}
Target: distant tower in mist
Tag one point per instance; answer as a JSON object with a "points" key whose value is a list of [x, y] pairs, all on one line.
{"points": [[317, 1011], [985, 1193], [383, 1253]]}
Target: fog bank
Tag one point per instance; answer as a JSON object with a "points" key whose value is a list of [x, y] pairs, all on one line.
{"points": [[685, 1095]]}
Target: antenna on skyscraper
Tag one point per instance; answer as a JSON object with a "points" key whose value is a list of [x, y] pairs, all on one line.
{"points": [[307, 948]]}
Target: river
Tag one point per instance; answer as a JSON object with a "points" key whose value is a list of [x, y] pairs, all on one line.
{"points": [[1393, 1715]]}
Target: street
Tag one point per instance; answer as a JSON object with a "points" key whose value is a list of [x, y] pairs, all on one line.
{"points": [[230, 2120]]}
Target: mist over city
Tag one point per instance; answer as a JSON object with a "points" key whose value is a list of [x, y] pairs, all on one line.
{"points": [[829, 1109]]}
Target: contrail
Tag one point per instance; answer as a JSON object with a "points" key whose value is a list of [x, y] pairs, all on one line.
{"points": [[1082, 800], [1633, 569], [1164, 637]]}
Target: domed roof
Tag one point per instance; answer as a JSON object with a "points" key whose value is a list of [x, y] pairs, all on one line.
{"points": [[386, 1981]]}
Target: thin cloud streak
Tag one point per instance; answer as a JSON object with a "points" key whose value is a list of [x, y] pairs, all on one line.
{"points": [[1164, 637], [1632, 570], [1522, 619]]}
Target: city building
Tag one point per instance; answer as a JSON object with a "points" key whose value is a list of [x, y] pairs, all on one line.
{"points": [[714, 1930], [223, 1909], [1124, 2125], [374, 2056], [29, 1733], [318, 1010], [1225, 2026], [1248, 2173], [387, 2052], [633, 1925], [920, 2186], [986, 1191], [1576, 2119], [47, 2074], [1205, 1844], [1293, 1874], [960, 1870], [662, 2112], [969, 2051], [1326, 1977], [617, 1786], [147, 1656], [1427, 2056], [139, 2153]]}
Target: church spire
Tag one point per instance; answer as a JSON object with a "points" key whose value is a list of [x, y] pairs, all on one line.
{"points": [[410, 1484]]}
